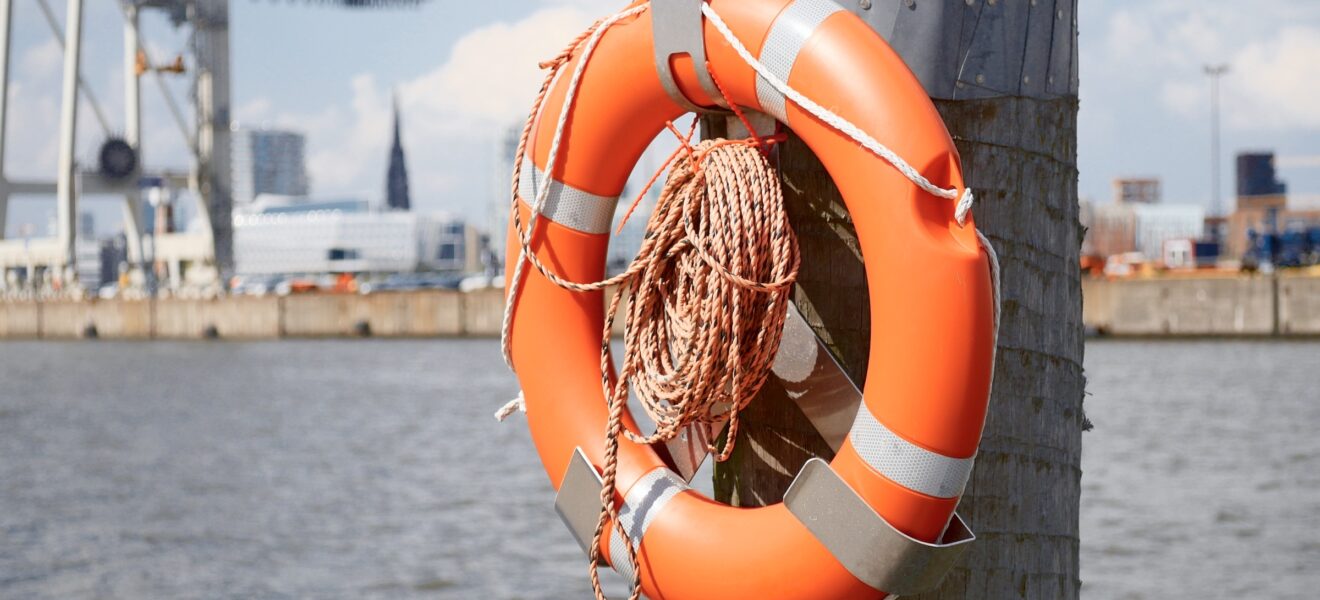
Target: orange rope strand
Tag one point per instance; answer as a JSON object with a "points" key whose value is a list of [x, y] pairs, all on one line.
{"points": [[709, 293]]}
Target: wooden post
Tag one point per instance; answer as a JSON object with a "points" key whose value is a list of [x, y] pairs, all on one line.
{"points": [[1019, 154]]}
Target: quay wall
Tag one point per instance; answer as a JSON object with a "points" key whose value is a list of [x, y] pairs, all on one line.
{"points": [[426, 313], [1286, 304], [1211, 305], [1299, 305], [430, 313]]}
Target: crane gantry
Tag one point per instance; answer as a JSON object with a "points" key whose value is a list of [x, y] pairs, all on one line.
{"points": [[207, 254]]}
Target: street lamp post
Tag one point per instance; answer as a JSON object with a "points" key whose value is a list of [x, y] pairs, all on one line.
{"points": [[1215, 72]]}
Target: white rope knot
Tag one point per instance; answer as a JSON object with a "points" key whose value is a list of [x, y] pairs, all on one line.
{"points": [[964, 206], [518, 404]]}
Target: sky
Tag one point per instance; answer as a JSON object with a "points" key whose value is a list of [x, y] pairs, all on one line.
{"points": [[465, 73]]}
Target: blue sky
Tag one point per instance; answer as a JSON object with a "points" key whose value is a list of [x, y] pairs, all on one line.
{"points": [[465, 72]]}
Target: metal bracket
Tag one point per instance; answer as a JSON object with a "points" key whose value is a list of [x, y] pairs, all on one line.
{"points": [[863, 542], [808, 373], [859, 538], [677, 28], [578, 499]]}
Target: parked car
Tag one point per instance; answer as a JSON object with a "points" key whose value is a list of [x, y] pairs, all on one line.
{"points": [[478, 282], [254, 285], [412, 281]]}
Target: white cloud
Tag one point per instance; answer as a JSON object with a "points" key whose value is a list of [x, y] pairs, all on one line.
{"points": [[253, 111], [492, 74], [453, 114], [1272, 84], [1275, 72], [42, 61], [1277, 82]]}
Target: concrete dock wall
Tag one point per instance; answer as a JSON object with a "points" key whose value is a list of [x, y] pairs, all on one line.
{"points": [[1237, 305], [430, 313], [387, 314], [1287, 304], [240, 317], [1299, 305], [1180, 306], [483, 312], [19, 320]]}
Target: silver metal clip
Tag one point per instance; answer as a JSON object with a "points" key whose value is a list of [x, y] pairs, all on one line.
{"points": [[863, 542], [578, 500], [677, 28]]}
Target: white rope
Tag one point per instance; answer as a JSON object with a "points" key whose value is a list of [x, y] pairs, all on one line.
{"points": [[994, 276], [965, 200], [964, 206], [827, 115], [543, 192], [518, 404]]}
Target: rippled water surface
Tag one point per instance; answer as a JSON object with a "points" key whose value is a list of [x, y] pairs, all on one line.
{"points": [[1201, 478], [271, 470], [347, 469]]}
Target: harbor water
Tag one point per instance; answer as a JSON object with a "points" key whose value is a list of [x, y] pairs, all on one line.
{"points": [[364, 468], [1201, 478]]}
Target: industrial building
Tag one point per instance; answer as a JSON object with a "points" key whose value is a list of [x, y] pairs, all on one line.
{"points": [[1265, 228], [294, 236], [1137, 221]]}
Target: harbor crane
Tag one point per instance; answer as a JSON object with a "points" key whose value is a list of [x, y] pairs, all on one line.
{"points": [[207, 254]]}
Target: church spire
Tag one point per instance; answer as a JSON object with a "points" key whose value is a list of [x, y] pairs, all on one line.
{"points": [[396, 183]]}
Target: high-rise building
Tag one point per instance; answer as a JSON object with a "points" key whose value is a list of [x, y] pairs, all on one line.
{"points": [[396, 183], [1262, 205], [268, 161], [1256, 177]]}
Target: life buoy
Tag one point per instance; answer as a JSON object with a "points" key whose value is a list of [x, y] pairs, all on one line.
{"points": [[910, 451]]}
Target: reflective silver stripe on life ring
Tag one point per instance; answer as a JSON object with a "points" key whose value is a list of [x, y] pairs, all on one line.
{"points": [[905, 463], [640, 507], [789, 32], [567, 205]]}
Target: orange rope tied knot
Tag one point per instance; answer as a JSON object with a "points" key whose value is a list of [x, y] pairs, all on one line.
{"points": [[707, 307]]}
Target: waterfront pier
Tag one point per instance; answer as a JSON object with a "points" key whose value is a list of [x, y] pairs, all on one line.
{"points": [[1284, 304]]}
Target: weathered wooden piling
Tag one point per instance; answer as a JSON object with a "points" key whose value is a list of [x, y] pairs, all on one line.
{"points": [[1018, 145]]}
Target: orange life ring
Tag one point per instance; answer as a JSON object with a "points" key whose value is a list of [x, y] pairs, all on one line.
{"points": [[911, 448]]}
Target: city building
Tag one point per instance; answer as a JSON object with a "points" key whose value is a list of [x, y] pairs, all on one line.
{"points": [[1262, 205], [267, 161], [1156, 224], [1256, 177], [296, 236], [87, 262], [1136, 222], [98, 262], [1110, 229], [1137, 190], [396, 180]]}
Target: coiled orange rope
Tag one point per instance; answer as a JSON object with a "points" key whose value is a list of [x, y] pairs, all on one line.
{"points": [[709, 295], [707, 310]]}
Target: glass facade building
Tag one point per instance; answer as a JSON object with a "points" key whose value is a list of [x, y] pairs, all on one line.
{"points": [[267, 161]]}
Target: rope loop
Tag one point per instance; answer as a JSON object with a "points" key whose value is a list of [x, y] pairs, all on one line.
{"points": [[964, 207]]}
